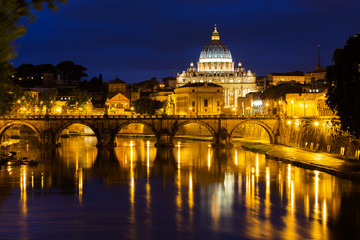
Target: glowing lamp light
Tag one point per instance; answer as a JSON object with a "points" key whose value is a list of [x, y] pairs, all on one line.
{"points": [[316, 124], [289, 122]]}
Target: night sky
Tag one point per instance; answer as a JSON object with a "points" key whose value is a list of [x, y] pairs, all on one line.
{"points": [[140, 39]]}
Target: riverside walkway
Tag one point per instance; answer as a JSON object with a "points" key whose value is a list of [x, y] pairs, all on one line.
{"points": [[329, 163]]}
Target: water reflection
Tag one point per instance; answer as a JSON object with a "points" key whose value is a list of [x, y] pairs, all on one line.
{"points": [[192, 189]]}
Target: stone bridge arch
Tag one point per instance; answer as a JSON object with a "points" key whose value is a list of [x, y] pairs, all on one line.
{"points": [[63, 126], [206, 125], [7, 125], [268, 129], [135, 121]]}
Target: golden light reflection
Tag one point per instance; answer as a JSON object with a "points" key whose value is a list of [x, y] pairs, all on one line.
{"points": [[23, 194], [191, 196], [32, 179], [236, 157], [81, 180], [148, 158], [267, 181], [324, 214], [77, 160], [42, 180], [267, 195], [179, 155], [307, 206], [257, 165], [209, 159], [289, 176], [316, 205], [292, 196], [132, 196], [131, 155]]}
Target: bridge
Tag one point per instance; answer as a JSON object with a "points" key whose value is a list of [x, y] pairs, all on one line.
{"points": [[48, 128]]}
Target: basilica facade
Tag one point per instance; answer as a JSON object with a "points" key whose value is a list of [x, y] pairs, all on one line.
{"points": [[216, 66]]}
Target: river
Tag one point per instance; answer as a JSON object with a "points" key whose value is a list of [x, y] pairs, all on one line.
{"points": [[189, 192]]}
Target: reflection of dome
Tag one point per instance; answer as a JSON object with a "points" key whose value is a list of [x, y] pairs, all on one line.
{"points": [[215, 49]]}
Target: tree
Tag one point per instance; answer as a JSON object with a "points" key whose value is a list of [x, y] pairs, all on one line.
{"points": [[70, 71], [343, 78], [279, 92], [9, 94], [147, 84], [147, 106], [12, 14], [48, 98], [79, 101]]}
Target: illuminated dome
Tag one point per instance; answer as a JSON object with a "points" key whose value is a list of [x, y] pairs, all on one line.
{"points": [[215, 50]]}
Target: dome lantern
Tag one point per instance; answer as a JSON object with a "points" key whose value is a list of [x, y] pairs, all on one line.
{"points": [[215, 35]]}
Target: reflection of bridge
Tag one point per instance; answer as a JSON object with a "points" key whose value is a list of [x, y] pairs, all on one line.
{"points": [[49, 128]]}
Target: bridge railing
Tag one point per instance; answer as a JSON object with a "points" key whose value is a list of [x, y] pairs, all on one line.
{"points": [[222, 116]]}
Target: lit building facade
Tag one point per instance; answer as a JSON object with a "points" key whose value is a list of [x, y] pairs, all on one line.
{"points": [[312, 104], [118, 104], [199, 99], [278, 78], [216, 66]]}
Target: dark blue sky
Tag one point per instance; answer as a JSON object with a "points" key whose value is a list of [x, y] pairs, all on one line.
{"points": [[139, 39]]}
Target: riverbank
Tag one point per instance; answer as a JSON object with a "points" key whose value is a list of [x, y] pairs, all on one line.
{"points": [[324, 162]]}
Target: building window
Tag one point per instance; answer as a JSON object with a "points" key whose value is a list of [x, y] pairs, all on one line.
{"points": [[218, 90], [218, 104], [205, 103], [193, 90], [193, 104]]}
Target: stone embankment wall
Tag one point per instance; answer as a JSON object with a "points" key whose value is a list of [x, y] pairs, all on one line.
{"points": [[318, 135]]}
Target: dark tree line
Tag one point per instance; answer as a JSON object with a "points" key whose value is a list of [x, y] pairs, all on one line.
{"points": [[148, 106], [343, 76], [279, 92], [29, 75]]}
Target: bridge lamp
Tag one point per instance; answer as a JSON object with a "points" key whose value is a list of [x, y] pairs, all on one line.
{"points": [[289, 122], [316, 124]]}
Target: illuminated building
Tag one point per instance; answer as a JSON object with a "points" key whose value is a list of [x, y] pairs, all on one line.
{"points": [[199, 99], [118, 104], [216, 66], [277, 78], [252, 104], [308, 104], [117, 86]]}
